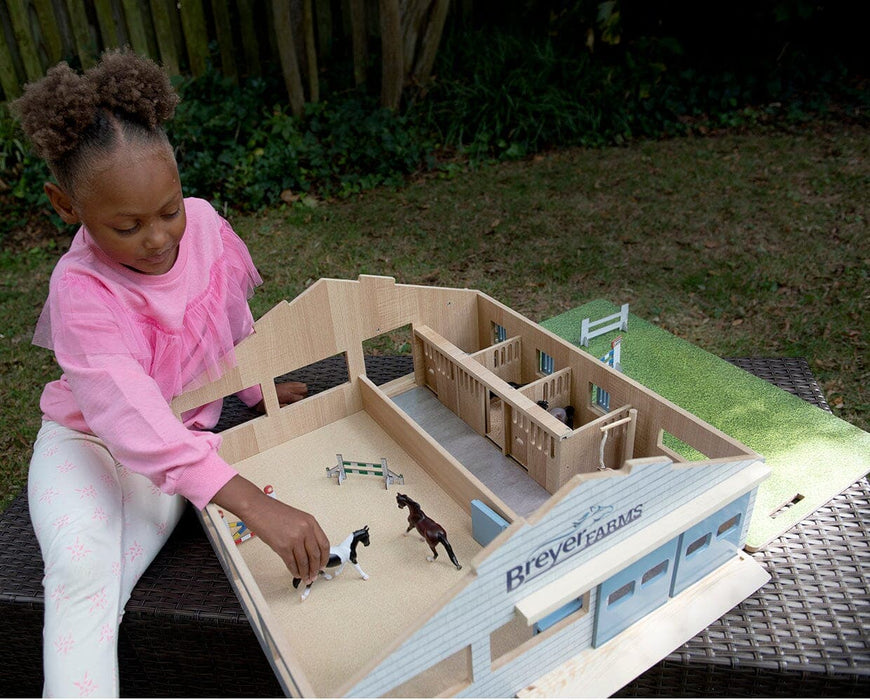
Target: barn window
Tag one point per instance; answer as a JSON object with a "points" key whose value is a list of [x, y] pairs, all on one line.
{"points": [[545, 363], [499, 333]]}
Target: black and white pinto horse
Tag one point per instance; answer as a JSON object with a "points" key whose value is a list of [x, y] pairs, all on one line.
{"points": [[339, 556], [429, 530]]}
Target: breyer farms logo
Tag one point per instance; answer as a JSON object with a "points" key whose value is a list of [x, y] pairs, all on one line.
{"points": [[589, 529]]}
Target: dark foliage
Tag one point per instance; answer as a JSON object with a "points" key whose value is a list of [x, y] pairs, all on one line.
{"points": [[533, 75]]}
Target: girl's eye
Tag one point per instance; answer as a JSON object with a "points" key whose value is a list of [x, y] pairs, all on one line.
{"points": [[128, 231], [173, 214]]}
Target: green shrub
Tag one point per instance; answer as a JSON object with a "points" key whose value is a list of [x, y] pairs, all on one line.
{"points": [[502, 95], [240, 145], [22, 175]]}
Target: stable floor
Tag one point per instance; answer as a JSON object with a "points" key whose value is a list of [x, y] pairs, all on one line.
{"points": [[502, 475], [347, 623]]}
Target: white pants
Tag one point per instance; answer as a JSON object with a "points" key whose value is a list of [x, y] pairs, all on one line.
{"points": [[99, 526]]}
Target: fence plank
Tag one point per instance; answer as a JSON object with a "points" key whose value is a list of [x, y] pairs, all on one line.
{"points": [[167, 34], [431, 40], [391, 54], [23, 38], [112, 29], [195, 35], [138, 25], [83, 35], [287, 51], [310, 51], [224, 29], [323, 18], [48, 26], [64, 29], [250, 42], [273, 55], [359, 41], [8, 76], [413, 23]]}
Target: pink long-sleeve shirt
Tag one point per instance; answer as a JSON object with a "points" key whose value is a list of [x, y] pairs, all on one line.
{"points": [[128, 343]]}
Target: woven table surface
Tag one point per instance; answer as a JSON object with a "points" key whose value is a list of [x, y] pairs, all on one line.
{"points": [[804, 633]]}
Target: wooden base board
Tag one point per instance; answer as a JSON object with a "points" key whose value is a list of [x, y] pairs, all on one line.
{"points": [[601, 672]]}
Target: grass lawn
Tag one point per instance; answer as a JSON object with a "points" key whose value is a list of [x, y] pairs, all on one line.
{"points": [[745, 245]]}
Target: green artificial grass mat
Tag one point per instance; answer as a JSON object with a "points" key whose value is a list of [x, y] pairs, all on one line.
{"points": [[813, 455]]}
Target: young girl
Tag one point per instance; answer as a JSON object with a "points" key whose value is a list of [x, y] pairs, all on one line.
{"points": [[152, 293]]}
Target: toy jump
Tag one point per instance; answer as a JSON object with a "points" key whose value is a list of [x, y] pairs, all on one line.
{"points": [[345, 467], [592, 329]]}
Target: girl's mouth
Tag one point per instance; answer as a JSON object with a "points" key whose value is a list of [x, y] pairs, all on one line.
{"points": [[160, 261], [158, 258]]}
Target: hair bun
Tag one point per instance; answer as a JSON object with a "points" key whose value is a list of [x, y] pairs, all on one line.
{"points": [[56, 110], [133, 86]]}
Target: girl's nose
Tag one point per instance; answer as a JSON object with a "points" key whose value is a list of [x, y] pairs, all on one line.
{"points": [[156, 237]]}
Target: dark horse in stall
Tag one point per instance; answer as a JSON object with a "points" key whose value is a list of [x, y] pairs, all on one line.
{"points": [[339, 555], [431, 531]]}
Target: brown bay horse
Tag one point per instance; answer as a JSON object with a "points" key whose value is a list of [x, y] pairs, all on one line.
{"points": [[431, 531]]}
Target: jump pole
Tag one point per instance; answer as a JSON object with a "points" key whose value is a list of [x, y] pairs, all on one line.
{"points": [[344, 467]]}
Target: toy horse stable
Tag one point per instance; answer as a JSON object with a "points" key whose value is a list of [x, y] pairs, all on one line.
{"points": [[591, 551]]}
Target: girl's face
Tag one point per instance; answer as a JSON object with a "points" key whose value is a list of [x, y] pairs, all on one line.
{"points": [[133, 208]]}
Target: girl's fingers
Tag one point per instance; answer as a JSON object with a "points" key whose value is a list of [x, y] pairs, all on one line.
{"points": [[317, 554], [303, 570]]}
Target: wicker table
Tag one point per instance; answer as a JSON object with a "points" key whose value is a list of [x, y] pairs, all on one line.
{"points": [[805, 633]]}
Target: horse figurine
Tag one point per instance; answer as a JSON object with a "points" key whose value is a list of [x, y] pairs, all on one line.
{"points": [[566, 415], [431, 531], [339, 556]]}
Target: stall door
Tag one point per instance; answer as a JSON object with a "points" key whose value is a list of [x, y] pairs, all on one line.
{"points": [[634, 592]]}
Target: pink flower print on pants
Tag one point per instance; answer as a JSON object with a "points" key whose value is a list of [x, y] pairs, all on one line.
{"points": [[78, 550], [86, 686], [135, 550], [99, 601], [58, 595], [87, 492], [107, 633], [64, 644]]}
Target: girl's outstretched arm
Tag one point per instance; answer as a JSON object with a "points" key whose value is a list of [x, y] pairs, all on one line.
{"points": [[293, 534]]}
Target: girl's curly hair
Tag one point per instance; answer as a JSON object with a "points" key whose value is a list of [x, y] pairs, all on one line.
{"points": [[72, 120]]}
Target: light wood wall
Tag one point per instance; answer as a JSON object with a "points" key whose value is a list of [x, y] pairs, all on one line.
{"points": [[449, 327]]}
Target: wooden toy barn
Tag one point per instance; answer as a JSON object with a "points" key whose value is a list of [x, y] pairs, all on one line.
{"points": [[589, 551]]}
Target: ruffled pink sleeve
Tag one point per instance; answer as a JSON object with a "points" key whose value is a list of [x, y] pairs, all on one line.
{"points": [[239, 263], [243, 278], [123, 405]]}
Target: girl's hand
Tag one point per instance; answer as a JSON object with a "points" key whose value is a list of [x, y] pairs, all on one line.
{"points": [[288, 392], [294, 535], [291, 392]]}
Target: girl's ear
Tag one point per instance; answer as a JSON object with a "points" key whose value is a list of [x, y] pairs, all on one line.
{"points": [[62, 203]]}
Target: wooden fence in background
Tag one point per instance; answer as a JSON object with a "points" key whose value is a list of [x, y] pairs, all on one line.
{"points": [[241, 37]]}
